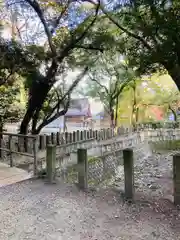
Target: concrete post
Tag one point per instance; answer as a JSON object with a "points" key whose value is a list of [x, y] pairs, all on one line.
{"points": [[82, 168], [128, 173], [50, 163], [10, 151], [42, 142], [58, 138], [35, 151], [176, 178]]}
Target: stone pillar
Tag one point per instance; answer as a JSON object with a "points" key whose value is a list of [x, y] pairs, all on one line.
{"points": [[176, 178], [42, 143], [35, 151], [50, 163], [128, 173], [82, 168]]}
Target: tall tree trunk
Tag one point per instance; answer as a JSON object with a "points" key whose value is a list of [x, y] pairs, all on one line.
{"points": [[38, 93], [116, 117], [174, 72], [137, 115], [134, 105], [25, 122], [64, 124], [112, 118], [35, 120]]}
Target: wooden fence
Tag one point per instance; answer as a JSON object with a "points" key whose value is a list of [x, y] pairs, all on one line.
{"points": [[24, 142], [18, 144], [67, 138], [128, 160], [30, 146]]}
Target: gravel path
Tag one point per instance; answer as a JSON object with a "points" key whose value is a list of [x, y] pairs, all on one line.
{"points": [[34, 210]]}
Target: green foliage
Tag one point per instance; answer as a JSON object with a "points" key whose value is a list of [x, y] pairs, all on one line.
{"points": [[15, 58], [148, 33], [51, 101], [107, 79], [166, 145], [11, 107], [77, 35], [93, 160], [156, 91]]}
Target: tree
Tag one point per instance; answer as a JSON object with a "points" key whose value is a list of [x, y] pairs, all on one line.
{"points": [[148, 33], [64, 31], [106, 81], [11, 107], [55, 105], [15, 58], [155, 92], [168, 97], [130, 98]]}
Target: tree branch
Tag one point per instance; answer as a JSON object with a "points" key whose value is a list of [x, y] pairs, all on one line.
{"points": [[90, 47], [101, 85], [35, 5], [120, 89], [3, 81], [57, 21], [129, 33], [49, 118], [58, 114], [75, 41]]}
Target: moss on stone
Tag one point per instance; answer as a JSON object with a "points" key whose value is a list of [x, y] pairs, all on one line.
{"points": [[94, 159]]}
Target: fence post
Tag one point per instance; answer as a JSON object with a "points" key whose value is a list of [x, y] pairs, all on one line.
{"points": [[74, 136], [20, 144], [82, 135], [42, 142], [90, 133], [10, 153], [53, 138], [96, 134], [58, 138], [128, 173], [176, 178], [83, 168], [66, 137], [50, 162], [35, 150], [99, 135], [85, 135], [48, 140], [70, 137], [78, 135]]}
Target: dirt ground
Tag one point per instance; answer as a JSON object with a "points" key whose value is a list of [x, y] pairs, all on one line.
{"points": [[35, 210]]}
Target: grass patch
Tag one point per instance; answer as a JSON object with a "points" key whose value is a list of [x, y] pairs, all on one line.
{"points": [[166, 145]]}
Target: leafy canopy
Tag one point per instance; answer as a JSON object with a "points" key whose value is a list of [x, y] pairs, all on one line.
{"points": [[148, 33]]}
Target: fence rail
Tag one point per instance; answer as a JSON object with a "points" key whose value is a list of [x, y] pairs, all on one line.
{"points": [[106, 140], [103, 134], [86, 175], [14, 146], [103, 157], [88, 167]]}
